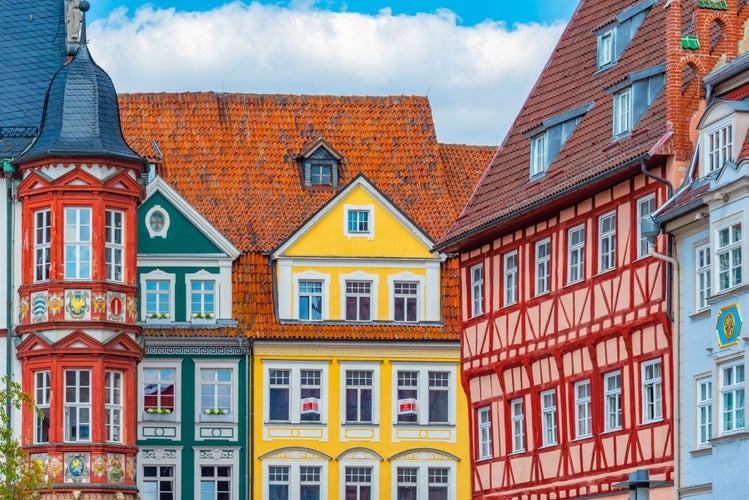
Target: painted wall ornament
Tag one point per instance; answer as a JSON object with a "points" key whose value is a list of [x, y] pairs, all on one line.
{"points": [[116, 306], [23, 309], [76, 468], [55, 303], [132, 308], [99, 303], [728, 325], [39, 303], [77, 304]]}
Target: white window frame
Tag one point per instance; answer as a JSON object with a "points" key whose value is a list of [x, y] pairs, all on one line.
{"points": [[606, 243], [369, 233], [216, 364], [229, 458], [613, 414], [113, 409], [80, 406], [294, 476], [169, 457], [484, 434], [420, 289], [371, 484], [312, 276], [295, 389], [202, 276], [42, 395], [703, 281], [160, 364], [78, 237], [583, 417], [422, 476], [575, 254], [374, 368], [157, 275], [374, 288], [734, 389], [549, 424], [538, 155], [733, 250], [623, 112], [652, 391], [517, 416], [477, 290], [42, 244], [114, 244], [511, 287], [158, 480], [644, 203], [704, 411], [543, 266], [606, 47], [717, 144], [422, 390]]}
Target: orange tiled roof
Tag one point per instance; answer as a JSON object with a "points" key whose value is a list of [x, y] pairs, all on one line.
{"points": [[232, 157], [570, 81]]}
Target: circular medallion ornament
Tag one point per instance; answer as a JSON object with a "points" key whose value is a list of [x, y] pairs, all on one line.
{"points": [[728, 326], [157, 222], [75, 466]]}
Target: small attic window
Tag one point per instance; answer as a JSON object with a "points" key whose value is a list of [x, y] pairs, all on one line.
{"points": [[614, 38], [606, 48], [320, 165]]}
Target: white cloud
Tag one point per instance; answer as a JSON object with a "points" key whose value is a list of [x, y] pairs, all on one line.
{"points": [[476, 77]]}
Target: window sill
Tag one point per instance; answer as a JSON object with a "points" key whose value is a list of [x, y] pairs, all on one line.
{"points": [[727, 293], [740, 435], [360, 424], [702, 451], [702, 313], [605, 271], [159, 417], [651, 422], [158, 321], [203, 321], [279, 423], [216, 418], [483, 459], [417, 424]]}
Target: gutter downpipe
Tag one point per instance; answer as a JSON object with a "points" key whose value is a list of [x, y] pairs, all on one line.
{"points": [[8, 171]]}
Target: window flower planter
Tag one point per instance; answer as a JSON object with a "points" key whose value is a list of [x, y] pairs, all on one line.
{"points": [[158, 319], [216, 415], [161, 415], [203, 319]]}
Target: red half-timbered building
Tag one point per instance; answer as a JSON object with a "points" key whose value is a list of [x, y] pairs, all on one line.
{"points": [[567, 346], [79, 343]]}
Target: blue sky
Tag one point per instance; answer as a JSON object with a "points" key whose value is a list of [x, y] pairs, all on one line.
{"points": [[475, 61]]}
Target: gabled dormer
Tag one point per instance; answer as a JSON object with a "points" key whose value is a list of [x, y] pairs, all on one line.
{"points": [[615, 35], [320, 165], [633, 96], [722, 128], [549, 138]]}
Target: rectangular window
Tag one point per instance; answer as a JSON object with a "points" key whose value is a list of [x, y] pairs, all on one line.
{"points": [[42, 239], [113, 406], [612, 384], [78, 243], [623, 112], [652, 397], [278, 482], [729, 255], [439, 482], [439, 396], [408, 396], [357, 221], [408, 483], [158, 390], [77, 405], [358, 483], [607, 242], [484, 418], [203, 298], [543, 266], [582, 409], [576, 254], [704, 411], [511, 277], [311, 393], [157, 298], [702, 275], [41, 399], [606, 49], [114, 246], [309, 482], [215, 482], [158, 482], [549, 418], [645, 207], [358, 300], [718, 147], [732, 397], [538, 155], [216, 386], [477, 290], [405, 300], [359, 396], [310, 300], [321, 175], [279, 395], [518, 425]]}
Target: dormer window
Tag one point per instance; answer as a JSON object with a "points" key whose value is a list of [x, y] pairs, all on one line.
{"points": [[320, 165], [723, 126], [623, 112], [633, 97], [606, 48], [538, 155], [718, 145]]}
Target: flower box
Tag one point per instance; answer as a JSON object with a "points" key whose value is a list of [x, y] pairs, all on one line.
{"points": [[159, 417]]}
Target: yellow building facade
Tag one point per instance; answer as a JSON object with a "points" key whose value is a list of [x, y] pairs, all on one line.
{"points": [[370, 404]]}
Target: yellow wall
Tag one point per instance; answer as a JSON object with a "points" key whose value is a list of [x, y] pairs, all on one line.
{"points": [[386, 447]]}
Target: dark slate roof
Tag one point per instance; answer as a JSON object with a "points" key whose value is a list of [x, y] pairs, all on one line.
{"points": [[81, 115], [32, 39]]}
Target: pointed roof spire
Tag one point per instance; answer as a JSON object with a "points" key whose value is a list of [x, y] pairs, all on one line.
{"points": [[83, 7]]}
